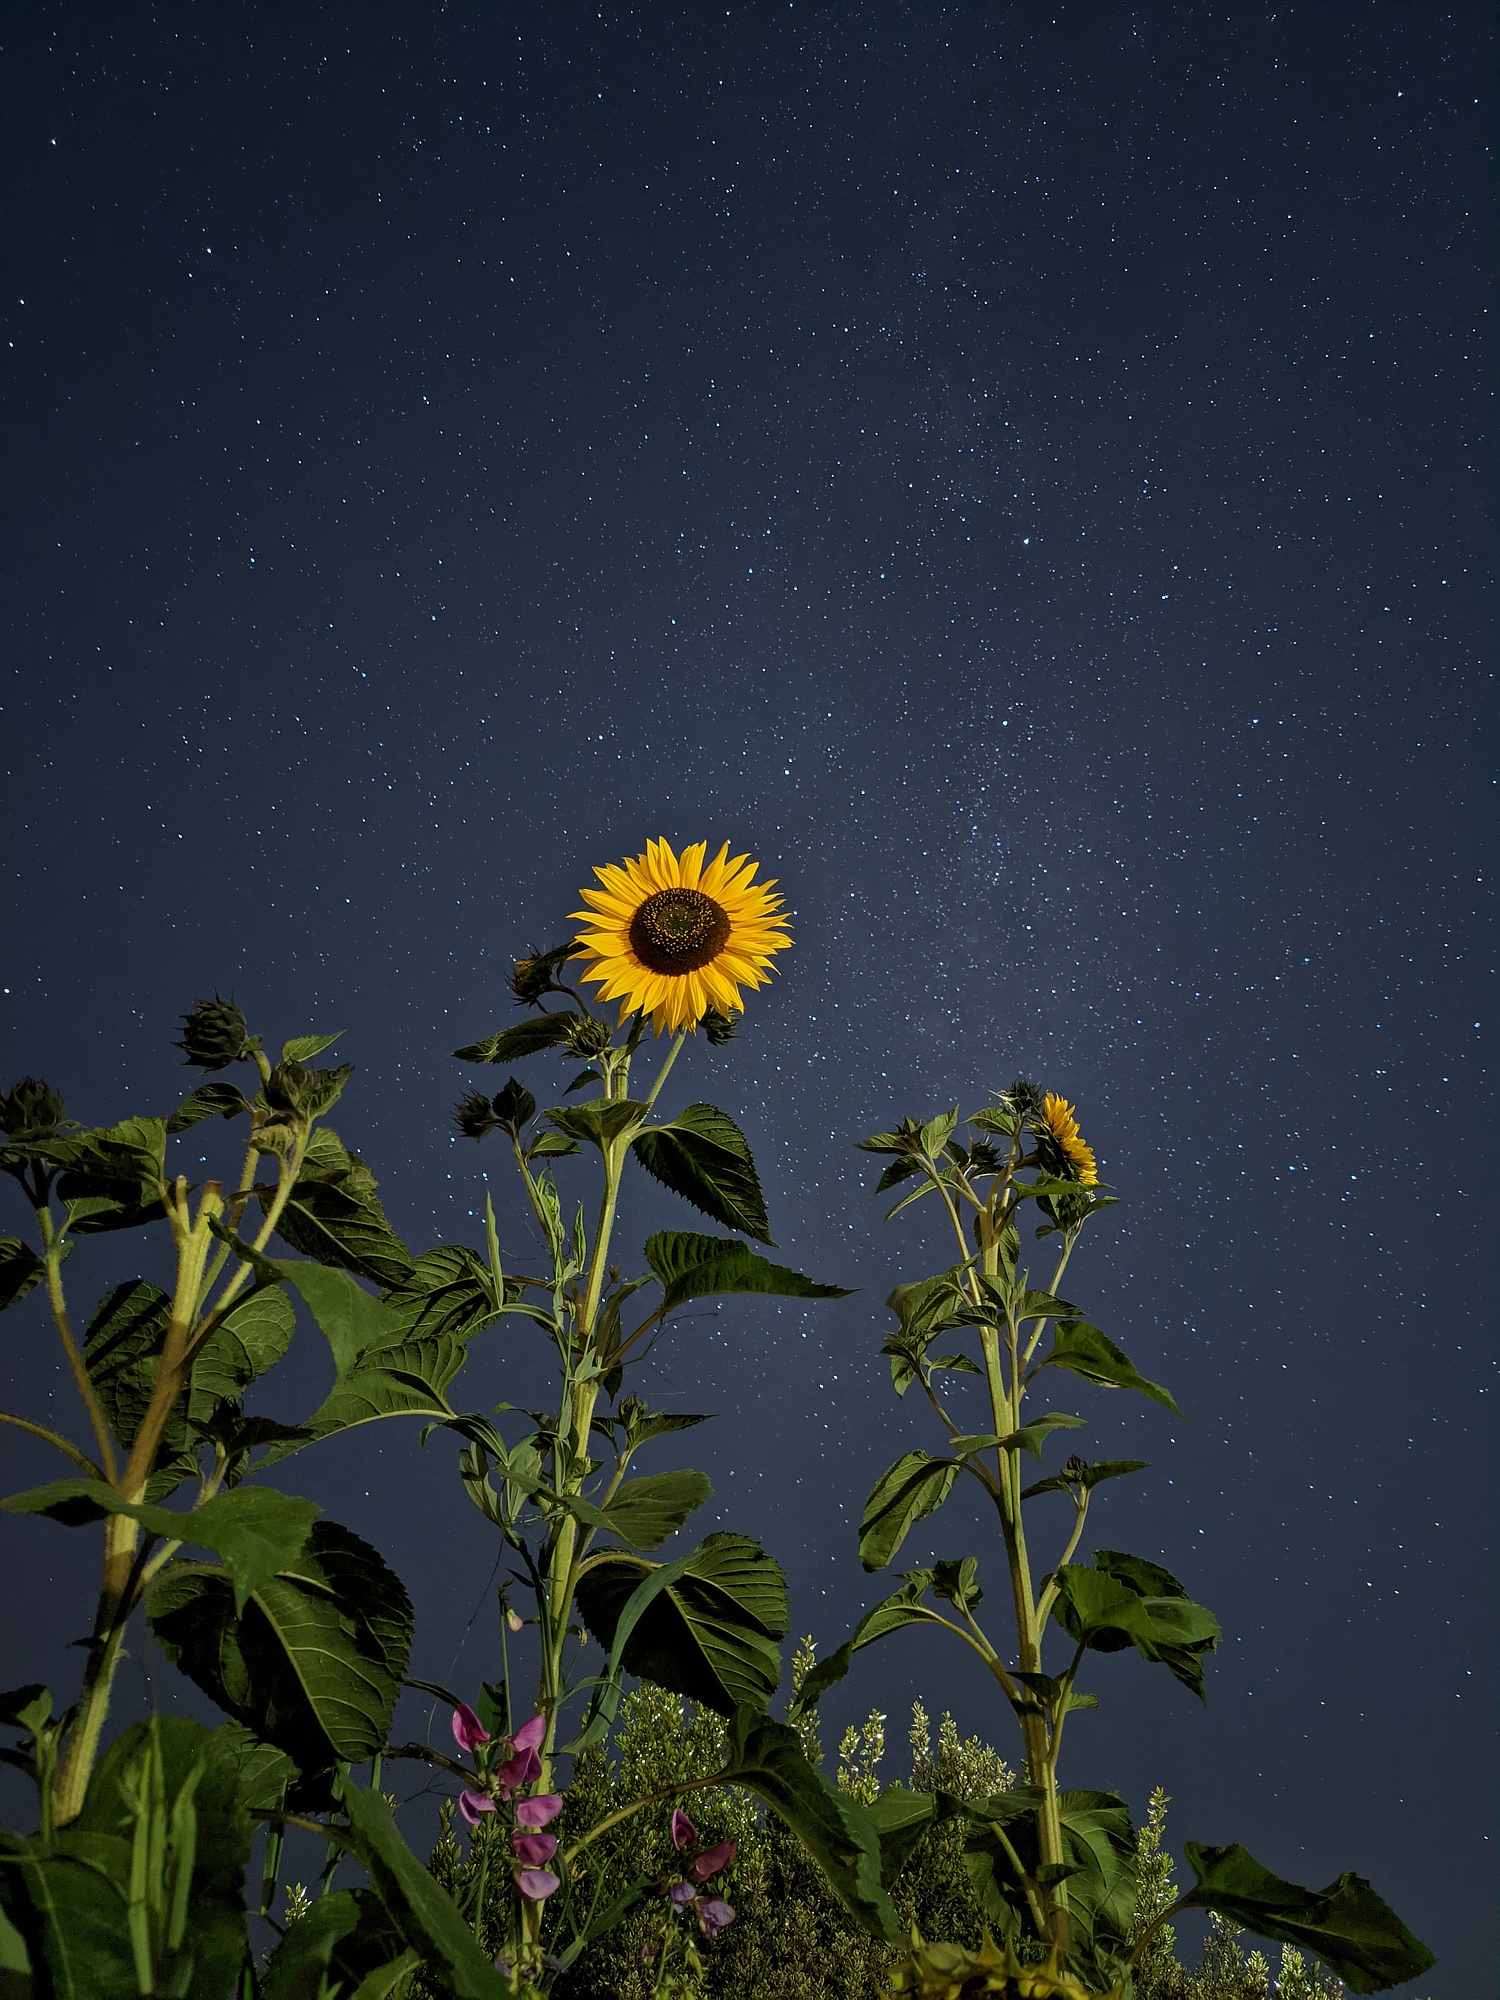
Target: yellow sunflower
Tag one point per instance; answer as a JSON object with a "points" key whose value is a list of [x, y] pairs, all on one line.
{"points": [[1064, 1129], [672, 938]]}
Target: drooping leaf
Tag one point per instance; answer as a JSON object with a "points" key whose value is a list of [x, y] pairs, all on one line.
{"points": [[1107, 1612], [646, 1511], [1099, 1867], [405, 1380], [767, 1758], [903, 1607], [1085, 1477], [957, 1583], [598, 1122], [423, 1912], [927, 1308], [114, 1176], [209, 1100], [1085, 1351], [1356, 1933], [702, 1155], [690, 1266], [914, 1486], [20, 1269], [255, 1531], [527, 1038], [1031, 1437], [316, 1663], [708, 1633], [334, 1215]]}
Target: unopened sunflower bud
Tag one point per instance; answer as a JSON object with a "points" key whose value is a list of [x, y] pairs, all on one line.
{"points": [[474, 1115], [278, 1135], [307, 1093], [587, 1037], [719, 1028], [214, 1034], [32, 1107], [536, 974]]}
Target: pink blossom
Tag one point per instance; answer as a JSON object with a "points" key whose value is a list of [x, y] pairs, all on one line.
{"points": [[530, 1734], [713, 1915], [468, 1731], [710, 1863], [524, 1767], [473, 1804], [539, 1810], [534, 1848], [682, 1896], [537, 1884], [684, 1833]]}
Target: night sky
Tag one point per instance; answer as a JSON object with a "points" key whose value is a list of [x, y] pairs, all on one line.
{"points": [[1014, 470]]}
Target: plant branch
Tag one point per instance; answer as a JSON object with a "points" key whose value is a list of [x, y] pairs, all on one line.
{"points": [[80, 1458], [52, 1253]]}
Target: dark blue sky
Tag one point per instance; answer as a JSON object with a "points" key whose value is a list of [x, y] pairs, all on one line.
{"points": [[1014, 468]]}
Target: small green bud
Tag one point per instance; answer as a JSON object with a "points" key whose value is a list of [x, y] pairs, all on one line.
{"points": [[307, 1093], [719, 1028], [474, 1115], [214, 1035], [587, 1038], [31, 1107], [1024, 1098], [536, 974]]}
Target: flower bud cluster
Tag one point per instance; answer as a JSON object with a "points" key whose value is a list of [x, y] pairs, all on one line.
{"points": [[506, 1769], [687, 1896]]}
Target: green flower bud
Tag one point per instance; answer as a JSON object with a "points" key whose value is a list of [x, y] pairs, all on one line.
{"points": [[536, 974], [719, 1028], [587, 1037], [32, 1107], [307, 1093], [474, 1115], [214, 1035]]}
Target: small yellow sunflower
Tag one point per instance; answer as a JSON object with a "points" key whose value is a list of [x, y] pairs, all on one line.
{"points": [[1064, 1129], [673, 938]]}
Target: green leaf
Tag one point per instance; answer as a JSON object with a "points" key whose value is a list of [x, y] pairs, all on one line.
{"points": [[927, 1308], [114, 1176], [423, 1912], [1031, 1437], [994, 1118], [345, 1937], [914, 1486], [26, 1707], [20, 1269], [903, 1607], [334, 1215], [120, 1351], [349, 1319], [450, 1290], [1106, 1614], [269, 1780], [544, 1031], [407, 1379], [637, 1425], [938, 1131], [1085, 1477], [255, 1531], [1099, 1846], [599, 1121], [309, 1093], [767, 1758], [901, 1819], [958, 1583], [209, 1100], [316, 1663], [71, 1908], [551, 1145], [702, 1155], [646, 1511], [1358, 1936], [708, 1633], [1085, 1351], [302, 1048], [690, 1266]]}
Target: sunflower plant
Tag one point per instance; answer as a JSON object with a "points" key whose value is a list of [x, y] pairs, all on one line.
{"points": [[669, 943], [1055, 1868]]}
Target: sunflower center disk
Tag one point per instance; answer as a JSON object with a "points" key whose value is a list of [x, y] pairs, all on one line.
{"points": [[677, 930]]}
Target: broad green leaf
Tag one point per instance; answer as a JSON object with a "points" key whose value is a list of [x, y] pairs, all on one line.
{"points": [[599, 1121], [209, 1100], [902, 1819], [957, 1582], [1085, 1477], [994, 1118], [255, 1531], [702, 1155], [316, 1663], [1031, 1437], [551, 1145], [646, 1511], [20, 1269], [114, 1176], [26, 1707], [1100, 1865], [120, 1348], [1358, 1936], [927, 1308], [405, 1380], [246, 1345], [635, 1425], [1087, 1352], [348, 1317], [914, 1486], [302, 1048], [1107, 1615], [938, 1131], [903, 1607], [269, 1780], [334, 1215], [710, 1633], [544, 1031], [767, 1758], [690, 1266], [345, 1936], [71, 1907], [424, 1913], [450, 1289]]}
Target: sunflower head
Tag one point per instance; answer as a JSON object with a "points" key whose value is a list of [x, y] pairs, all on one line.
{"points": [[675, 938], [1063, 1151]]}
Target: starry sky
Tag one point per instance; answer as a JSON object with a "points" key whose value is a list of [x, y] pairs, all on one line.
{"points": [[1015, 470]]}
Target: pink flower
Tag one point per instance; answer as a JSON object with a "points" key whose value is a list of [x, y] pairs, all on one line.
{"points": [[534, 1848], [537, 1884], [468, 1731], [710, 1863], [473, 1804], [529, 1735], [684, 1833], [524, 1767], [539, 1810], [682, 1896], [713, 1915]]}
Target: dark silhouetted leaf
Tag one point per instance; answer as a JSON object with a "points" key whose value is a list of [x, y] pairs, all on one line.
{"points": [[702, 1155], [20, 1269], [209, 1100], [903, 1607], [527, 1038], [690, 1266], [334, 1215]]}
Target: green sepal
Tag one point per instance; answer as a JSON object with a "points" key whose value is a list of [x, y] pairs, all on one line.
{"points": [[1356, 1933]]}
